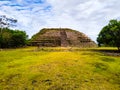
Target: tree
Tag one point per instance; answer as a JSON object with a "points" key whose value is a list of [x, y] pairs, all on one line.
{"points": [[6, 38], [110, 34], [19, 38], [5, 22], [11, 38]]}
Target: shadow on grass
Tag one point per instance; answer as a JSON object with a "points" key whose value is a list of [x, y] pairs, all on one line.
{"points": [[100, 66], [108, 52], [106, 59]]}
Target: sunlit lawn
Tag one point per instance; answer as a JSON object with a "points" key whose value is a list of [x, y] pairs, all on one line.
{"points": [[58, 69]]}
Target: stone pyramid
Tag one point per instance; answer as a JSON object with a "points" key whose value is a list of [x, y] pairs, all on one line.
{"points": [[61, 37]]}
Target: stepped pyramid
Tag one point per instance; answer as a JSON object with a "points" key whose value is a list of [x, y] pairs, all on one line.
{"points": [[61, 37]]}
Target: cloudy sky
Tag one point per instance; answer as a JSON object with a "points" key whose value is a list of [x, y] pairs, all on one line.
{"points": [[87, 16]]}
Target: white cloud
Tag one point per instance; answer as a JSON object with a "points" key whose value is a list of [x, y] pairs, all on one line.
{"points": [[87, 16], [19, 1]]}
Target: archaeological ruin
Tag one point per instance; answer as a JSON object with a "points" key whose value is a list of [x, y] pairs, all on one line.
{"points": [[53, 37]]}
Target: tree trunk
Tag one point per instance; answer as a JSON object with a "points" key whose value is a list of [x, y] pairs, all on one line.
{"points": [[118, 49]]}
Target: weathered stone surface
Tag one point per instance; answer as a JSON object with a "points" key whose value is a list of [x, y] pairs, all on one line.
{"points": [[61, 37]]}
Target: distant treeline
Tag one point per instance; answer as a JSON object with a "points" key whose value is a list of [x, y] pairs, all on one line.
{"points": [[12, 38]]}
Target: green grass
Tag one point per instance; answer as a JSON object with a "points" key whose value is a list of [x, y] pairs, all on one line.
{"points": [[58, 69]]}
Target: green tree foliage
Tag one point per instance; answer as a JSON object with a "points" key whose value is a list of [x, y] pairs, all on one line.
{"points": [[110, 34], [12, 38], [5, 36], [19, 38]]}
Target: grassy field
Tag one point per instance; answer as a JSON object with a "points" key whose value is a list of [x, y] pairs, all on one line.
{"points": [[58, 69]]}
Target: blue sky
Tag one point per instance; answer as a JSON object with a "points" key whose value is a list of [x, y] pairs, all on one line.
{"points": [[87, 16]]}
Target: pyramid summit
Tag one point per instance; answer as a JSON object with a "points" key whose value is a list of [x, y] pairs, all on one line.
{"points": [[61, 37]]}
